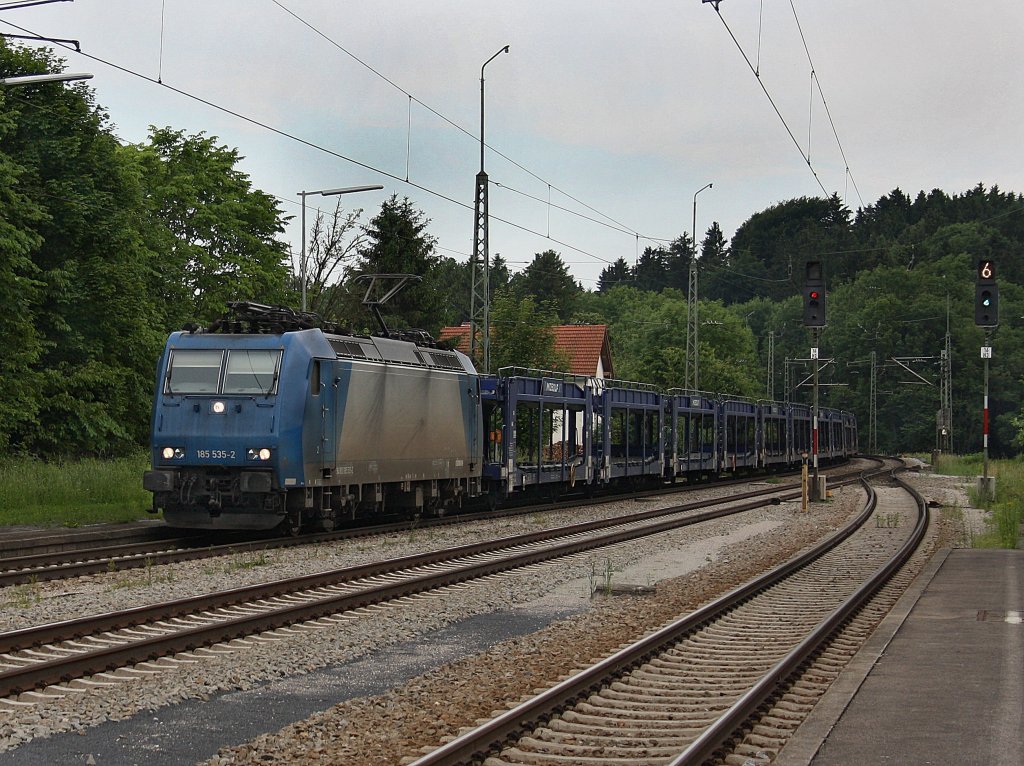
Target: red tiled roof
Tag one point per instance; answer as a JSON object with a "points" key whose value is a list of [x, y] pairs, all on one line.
{"points": [[461, 332], [584, 345]]}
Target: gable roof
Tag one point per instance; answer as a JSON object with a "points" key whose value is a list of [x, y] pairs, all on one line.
{"points": [[586, 346]]}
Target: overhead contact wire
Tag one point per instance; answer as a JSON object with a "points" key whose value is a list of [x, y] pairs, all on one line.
{"points": [[333, 153], [771, 100]]}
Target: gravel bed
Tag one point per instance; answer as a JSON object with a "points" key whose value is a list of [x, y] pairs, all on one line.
{"points": [[397, 726], [39, 603], [720, 552], [318, 648], [394, 727], [951, 493]]}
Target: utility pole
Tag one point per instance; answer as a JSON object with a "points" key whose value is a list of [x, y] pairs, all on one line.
{"points": [[786, 387], [871, 442], [691, 373], [480, 267], [771, 366], [873, 407], [814, 412], [944, 426]]}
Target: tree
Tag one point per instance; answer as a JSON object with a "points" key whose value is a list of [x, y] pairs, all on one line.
{"points": [[648, 334], [677, 262], [449, 280], [499, 275], [397, 243], [547, 280], [650, 270], [715, 265], [772, 246], [522, 335], [19, 217], [618, 273], [333, 247], [80, 222], [221, 234]]}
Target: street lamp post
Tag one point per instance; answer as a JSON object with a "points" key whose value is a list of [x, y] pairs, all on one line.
{"points": [[692, 322], [479, 303], [32, 79], [324, 193]]}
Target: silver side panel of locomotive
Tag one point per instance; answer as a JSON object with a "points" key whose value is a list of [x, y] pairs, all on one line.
{"points": [[396, 419]]}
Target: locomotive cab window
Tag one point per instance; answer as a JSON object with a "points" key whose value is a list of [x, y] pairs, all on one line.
{"points": [[252, 371], [193, 372]]}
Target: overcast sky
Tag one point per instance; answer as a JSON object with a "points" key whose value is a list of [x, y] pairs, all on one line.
{"points": [[616, 111]]}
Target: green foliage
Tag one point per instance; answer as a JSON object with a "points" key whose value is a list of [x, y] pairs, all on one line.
{"points": [[959, 465], [548, 281], [658, 268], [619, 274], [219, 234], [88, 363], [19, 287], [103, 249], [772, 246], [521, 334], [1007, 508], [397, 242], [648, 334]]}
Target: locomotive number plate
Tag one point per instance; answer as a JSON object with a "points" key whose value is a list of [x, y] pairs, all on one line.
{"points": [[215, 454]]}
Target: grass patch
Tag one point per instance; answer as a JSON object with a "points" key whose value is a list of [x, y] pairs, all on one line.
{"points": [[23, 596], [1006, 508], [959, 465], [73, 493]]}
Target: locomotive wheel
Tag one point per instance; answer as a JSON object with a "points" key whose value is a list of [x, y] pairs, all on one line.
{"points": [[291, 524]]}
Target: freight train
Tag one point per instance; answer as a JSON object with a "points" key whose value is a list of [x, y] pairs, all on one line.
{"points": [[266, 420]]}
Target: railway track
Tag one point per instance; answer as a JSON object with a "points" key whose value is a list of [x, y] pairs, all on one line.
{"points": [[723, 682], [64, 556], [53, 655]]}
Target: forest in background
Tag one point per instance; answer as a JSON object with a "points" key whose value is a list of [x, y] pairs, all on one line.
{"points": [[105, 248]]}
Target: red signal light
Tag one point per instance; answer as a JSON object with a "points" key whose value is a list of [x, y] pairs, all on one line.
{"points": [[814, 295]]}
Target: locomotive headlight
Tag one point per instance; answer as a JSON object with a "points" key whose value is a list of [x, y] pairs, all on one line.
{"points": [[218, 408], [172, 453], [168, 453], [263, 453]]}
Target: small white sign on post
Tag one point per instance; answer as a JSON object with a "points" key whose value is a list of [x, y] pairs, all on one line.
{"points": [[986, 352], [814, 353]]}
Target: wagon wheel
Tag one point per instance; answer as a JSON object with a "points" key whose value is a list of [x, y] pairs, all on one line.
{"points": [[492, 500]]}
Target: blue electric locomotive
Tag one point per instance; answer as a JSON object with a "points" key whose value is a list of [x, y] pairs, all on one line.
{"points": [[266, 422]]}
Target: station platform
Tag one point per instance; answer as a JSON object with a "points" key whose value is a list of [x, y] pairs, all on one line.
{"points": [[941, 681]]}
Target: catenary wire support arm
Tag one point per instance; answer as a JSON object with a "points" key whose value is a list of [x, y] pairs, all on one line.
{"points": [[903, 362]]}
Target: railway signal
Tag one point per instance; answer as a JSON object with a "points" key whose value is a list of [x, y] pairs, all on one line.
{"points": [[986, 295], [814, 295]]}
